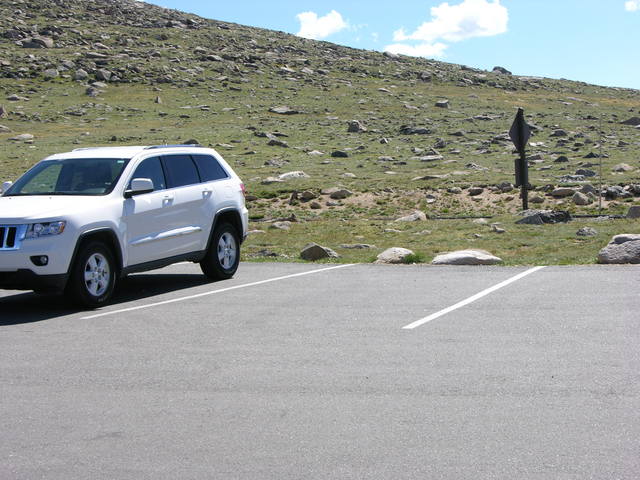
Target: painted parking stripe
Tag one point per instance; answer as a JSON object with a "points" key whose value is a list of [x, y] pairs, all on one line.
{"points": [[213, 292], [471, 299]]}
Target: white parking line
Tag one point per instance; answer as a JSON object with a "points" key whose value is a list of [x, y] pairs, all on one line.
{"points": [[469, 300], [213, 292]]}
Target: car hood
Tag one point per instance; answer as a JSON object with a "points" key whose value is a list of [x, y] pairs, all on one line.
{"points": [[22, 209]]}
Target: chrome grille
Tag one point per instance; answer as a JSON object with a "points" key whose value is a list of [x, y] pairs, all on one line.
{"points": [[11, 236]]}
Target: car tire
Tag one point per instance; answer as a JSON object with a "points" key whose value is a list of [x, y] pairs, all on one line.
{"points": [[93, 276], [223, 255]]}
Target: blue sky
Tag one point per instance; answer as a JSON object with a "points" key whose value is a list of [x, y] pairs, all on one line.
{"points": [[596, 41]]}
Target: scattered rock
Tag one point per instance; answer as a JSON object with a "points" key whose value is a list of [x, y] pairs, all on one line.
{"points": [[394, 255], [501, 71], [23, 137], [4, 129], [622, 167], [623, 248], [563, 192], [312, 252], [416, 216], [339, 193], [467, 257], [339, 154], [634, 212], [293, 175], [409, 130], [539, 217], [50, 73], [357, 246], [442, 104], [633, 121], [587, 232], [285, 225], [580, 199], [284, 110], [475, 191], [356, 127]]}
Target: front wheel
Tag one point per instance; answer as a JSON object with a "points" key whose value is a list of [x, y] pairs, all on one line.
{"points": [[93, 275], [223, 256]]}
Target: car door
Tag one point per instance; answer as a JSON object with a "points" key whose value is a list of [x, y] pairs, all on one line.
{"points": [[152, 221], [190, 199]]}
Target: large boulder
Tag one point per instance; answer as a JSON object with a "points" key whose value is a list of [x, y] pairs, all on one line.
{"points": [[623, 248], [539, 217], [312, 252], [467, 257], [394, 255]]}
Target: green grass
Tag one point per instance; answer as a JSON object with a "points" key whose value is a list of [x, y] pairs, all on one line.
{"points": [[239, 91]]}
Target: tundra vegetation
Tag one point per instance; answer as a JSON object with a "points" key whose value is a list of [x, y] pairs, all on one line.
{"points": [[340, 143]]}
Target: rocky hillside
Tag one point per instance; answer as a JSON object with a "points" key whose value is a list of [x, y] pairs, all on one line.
{"points": [[297, 116]]}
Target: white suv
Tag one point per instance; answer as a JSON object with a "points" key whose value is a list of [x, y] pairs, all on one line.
{"points": [[78, 221]]}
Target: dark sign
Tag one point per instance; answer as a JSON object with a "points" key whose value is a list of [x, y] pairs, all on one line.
{"points": [[520, 131]]}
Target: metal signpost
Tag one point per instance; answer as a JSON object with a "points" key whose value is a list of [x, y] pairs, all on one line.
{"points": [[520, 133]]}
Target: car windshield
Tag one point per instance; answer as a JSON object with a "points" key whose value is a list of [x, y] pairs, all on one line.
{"points": [[73, 176]]}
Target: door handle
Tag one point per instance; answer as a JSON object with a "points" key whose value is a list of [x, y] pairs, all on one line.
{"points": [[207, 193], [167, 200]]}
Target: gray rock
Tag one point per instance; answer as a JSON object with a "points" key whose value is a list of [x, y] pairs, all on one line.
{"points": [[357, 246], [394, 255], [587, 232], [23, 137], [4, 129], [312, 252], [337, 193], [634, 212], [539, 217], [501, 71], [585, 172], [103, 75], [284, 110], [51, 73], [633, 121], [621, 249], [356, 127], [580, 199], [286, 225], [339, 154], [409, 130], [622, 167], [416, 216], [293, 175], [442, 104], [467, 257], [80, 75], [563, 192], [475, 191]]}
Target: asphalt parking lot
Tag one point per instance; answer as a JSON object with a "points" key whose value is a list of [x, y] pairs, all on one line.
{"points": [[292, 371]]}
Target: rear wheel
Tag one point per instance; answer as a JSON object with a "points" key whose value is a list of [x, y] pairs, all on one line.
{"points": [[93, 275], [222, 259]]}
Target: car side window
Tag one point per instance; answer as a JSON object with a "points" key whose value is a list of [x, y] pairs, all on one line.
{"points": [[151, 168], [180, 170], [209, 168]]}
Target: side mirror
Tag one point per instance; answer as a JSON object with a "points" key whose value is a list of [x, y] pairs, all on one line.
{"points": [[139, 186], [5, 187]]}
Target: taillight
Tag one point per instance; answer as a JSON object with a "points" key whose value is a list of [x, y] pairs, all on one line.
{"points": [[244, 190]]}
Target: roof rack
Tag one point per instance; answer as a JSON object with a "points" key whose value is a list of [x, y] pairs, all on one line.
{"points": [[153, 147]]}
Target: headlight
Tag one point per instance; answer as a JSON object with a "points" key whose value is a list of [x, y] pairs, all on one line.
{"points": [[36, 230]]}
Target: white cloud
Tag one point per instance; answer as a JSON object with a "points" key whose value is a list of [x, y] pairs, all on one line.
{"points": [[421, 50], [453, 23], [316, 28], [632, 5]]}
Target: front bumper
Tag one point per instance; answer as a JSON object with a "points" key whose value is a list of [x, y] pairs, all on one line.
{"points": [[25, 279]]}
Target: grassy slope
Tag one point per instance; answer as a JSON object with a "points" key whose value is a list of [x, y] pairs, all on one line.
{"points": [[223, 103]]}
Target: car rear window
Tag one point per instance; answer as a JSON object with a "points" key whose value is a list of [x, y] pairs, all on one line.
{"points": [[209, 168]]}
